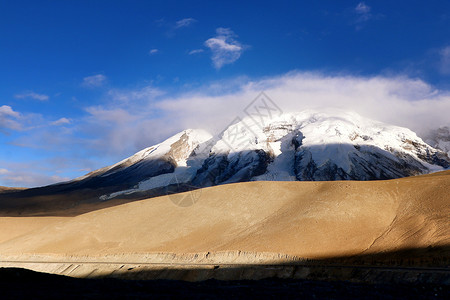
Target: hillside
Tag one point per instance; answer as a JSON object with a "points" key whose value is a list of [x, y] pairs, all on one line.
{"points": [[305, 219]]}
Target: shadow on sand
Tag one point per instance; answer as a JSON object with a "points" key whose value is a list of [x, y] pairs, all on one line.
{"points": [[406, 274]]}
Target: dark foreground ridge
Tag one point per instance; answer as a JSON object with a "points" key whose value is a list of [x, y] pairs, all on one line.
{"points": [[19, 283], [416, 273]]}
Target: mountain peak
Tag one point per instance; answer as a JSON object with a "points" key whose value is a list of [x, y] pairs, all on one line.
{"points": [[308, 145]]}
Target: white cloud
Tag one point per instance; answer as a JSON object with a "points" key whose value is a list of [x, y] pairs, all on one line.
{"points": [[121, 96], [184, 22], [362, 8], [32, 95], [9, 118], [153, 51], [195, 51], [225, 49], [445, 60], [3, 171], [61, 121], [400, 101], [94, 81], [105, 115], [17, 121], [125, 123], [7, 111], [363, 14], [116, 131], [172, 28]]}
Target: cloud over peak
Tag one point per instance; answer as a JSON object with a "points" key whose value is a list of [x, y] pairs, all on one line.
{"points": [[134, 125], [224, 47]]}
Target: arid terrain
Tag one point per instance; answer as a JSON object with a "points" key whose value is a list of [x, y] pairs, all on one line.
{"points": [[342, 238], [239, 224]]}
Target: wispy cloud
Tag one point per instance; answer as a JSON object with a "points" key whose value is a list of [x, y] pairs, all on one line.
{"points": [[225, 48], [362, 8], [124, 96], [184, 23], [363, 14], [61, 121], [67, 152], [445, 60], [28, 178], [153, 51], [119, 128], [128, 114], [32, 95], [94, 81], [172, 28], [195, 51], [9, 118]]}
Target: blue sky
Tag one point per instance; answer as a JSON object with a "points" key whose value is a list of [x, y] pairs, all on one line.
{"points": [[87, 83]]}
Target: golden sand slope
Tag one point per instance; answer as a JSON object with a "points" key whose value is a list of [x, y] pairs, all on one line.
{"points": [[307, 219], [9, 189]]}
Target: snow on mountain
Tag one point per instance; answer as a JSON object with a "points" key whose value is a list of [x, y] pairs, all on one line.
{"points": [[309, 145], [153, 161], [179, 150], [440, 139]]}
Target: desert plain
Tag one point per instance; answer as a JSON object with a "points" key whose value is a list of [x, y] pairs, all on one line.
{"points": [[243, 224]]}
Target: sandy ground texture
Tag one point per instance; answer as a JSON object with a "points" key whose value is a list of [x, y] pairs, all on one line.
{"points": [[273, 221]]}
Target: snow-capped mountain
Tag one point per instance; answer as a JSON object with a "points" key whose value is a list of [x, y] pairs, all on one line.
{"points": [[297, 146], [152, 162]]}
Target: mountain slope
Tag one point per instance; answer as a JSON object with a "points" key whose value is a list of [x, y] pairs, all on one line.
{"points": [[150, 162], [305, 146]]}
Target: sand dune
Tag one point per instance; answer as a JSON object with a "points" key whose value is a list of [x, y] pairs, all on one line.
{"points": [[15, 227], [304, 219], [10, 189]]}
